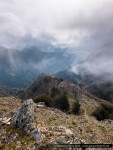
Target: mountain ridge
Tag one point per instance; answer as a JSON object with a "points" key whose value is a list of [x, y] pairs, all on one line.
{"points": [[56, 87], [95, 84]]}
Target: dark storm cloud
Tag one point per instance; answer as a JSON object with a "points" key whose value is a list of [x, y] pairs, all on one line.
{"points": [[85, 27]]}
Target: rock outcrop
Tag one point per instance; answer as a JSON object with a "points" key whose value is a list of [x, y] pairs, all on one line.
{"points": [[24, 115], [24, 118]]}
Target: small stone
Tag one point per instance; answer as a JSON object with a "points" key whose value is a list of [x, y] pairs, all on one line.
{"points": [[41, 104], [18, 143], [60, 140], [69, 132], [1, 120]]}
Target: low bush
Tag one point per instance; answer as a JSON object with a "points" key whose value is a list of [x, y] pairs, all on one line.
{"points": [[43, 98], [61, 102], [54, 92], [76, 107], [100, 114], [105, 111]]}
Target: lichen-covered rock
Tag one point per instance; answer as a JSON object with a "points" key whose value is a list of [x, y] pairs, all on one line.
{"points": [[24, 115], [23, 119]]}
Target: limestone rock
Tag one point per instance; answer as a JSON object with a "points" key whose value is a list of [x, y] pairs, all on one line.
{"points": [[41, 104], [23, 119], [24, 115]]}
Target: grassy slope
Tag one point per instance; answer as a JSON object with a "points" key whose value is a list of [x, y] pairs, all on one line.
{"points": [[50, 122]]}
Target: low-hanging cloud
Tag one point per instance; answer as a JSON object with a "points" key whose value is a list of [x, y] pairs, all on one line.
{"points": [[85, 27]]}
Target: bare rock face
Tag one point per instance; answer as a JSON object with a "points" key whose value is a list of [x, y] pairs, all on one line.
{"points": [[23, 119], [70, 88]]}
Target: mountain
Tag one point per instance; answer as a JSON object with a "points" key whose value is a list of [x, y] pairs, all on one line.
{"points": [[13, 72], [73, 116], [54, 90], [19, 68], [99, 85]]}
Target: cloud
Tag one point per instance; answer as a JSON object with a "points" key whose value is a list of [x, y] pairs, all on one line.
{"points": [[68, 22], [85, 27]]}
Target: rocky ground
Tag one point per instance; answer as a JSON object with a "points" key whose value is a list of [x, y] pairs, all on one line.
{"points": [[53, 126]]}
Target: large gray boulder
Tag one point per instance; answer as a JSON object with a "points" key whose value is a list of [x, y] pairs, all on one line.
{"points": [[24, 115], [23, 119]]}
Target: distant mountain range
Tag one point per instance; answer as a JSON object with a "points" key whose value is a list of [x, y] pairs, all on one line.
{"points": [[19, 68]]}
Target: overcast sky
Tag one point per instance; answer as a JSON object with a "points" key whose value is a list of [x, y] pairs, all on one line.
{"points": [[85, 26]]}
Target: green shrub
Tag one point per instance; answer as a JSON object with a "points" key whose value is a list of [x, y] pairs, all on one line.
{"points": [[55, 92], [100, 114], [43, 98], [61, 102], [105, 111], [76, 107]]}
